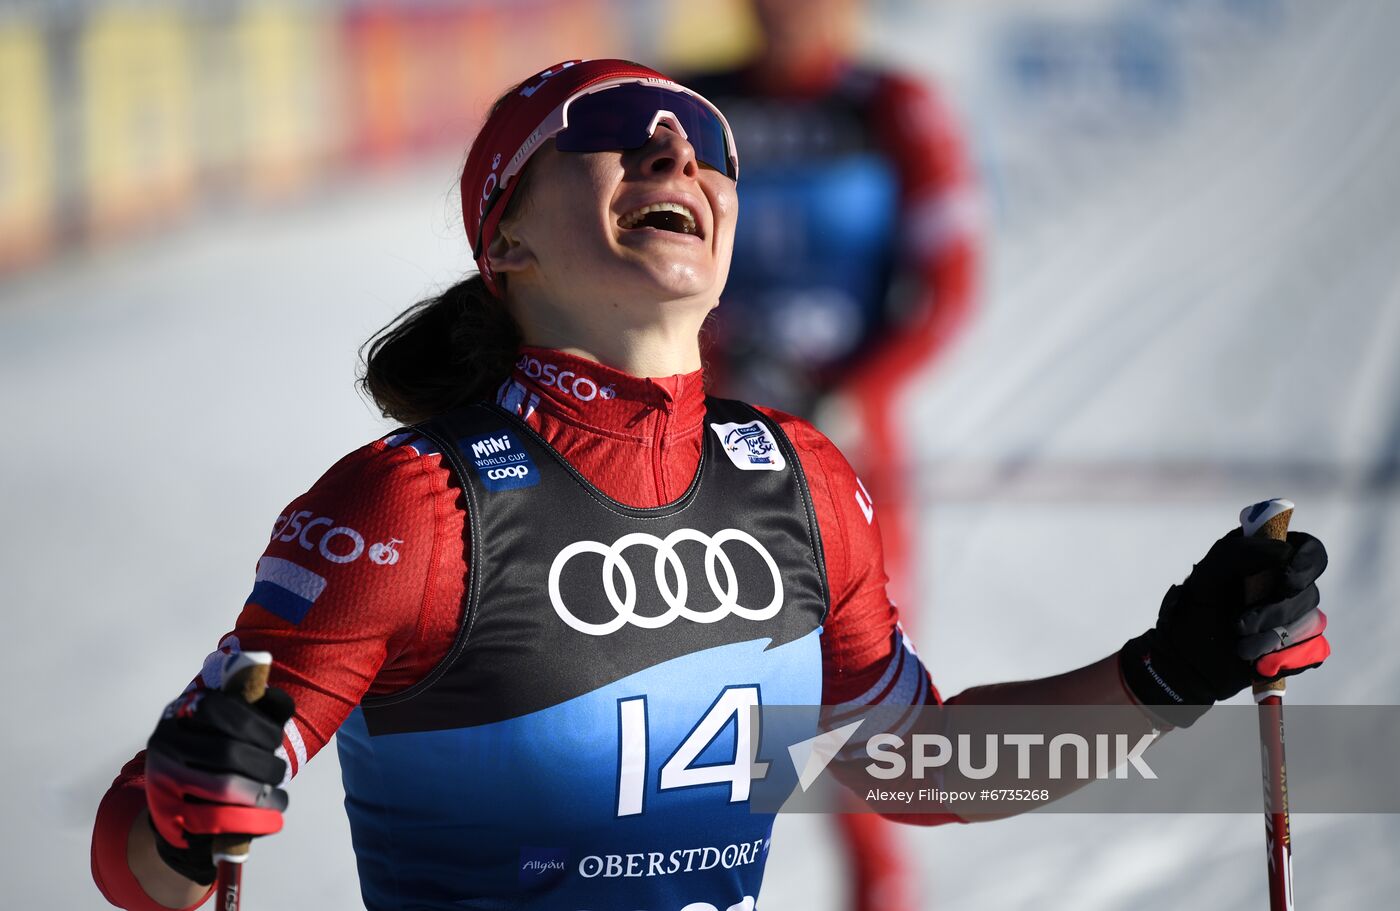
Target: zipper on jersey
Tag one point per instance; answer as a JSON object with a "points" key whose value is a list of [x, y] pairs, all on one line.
{"points": [[658, 467]]}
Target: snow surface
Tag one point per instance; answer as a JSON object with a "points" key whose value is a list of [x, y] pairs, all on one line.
{"points": [[1178, 320]]}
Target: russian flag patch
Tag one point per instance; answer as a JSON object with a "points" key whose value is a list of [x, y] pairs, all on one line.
{"points": [[285, 589]]}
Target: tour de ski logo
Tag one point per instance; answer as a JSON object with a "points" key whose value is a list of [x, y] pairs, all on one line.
{"points": [[750, 446], [501, 462]]}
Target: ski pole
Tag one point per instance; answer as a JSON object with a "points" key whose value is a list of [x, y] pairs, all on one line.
{"points": [[245, 675], [1270, 519]]}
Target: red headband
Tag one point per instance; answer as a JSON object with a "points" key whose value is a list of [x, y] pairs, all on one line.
{"points": [[512, 132]]}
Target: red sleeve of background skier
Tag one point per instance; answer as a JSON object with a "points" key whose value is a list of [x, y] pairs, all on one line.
{"points": [[939, 231], [358, 587]]}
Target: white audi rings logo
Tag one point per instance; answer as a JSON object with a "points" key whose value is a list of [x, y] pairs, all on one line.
{"points": [[614, 566], [512, 471]]}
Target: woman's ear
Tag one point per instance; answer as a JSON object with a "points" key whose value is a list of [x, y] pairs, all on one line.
{"points": [[508, 252]]}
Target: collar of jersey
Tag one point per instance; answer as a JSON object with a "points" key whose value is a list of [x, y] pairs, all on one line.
{"points": [[601, 398]]}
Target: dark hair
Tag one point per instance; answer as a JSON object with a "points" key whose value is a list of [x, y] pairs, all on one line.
{"points": [[442, 353], [445, 351]]}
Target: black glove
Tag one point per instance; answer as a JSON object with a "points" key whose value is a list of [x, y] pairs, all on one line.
{"points": [[210, 770], [1247, 613]]}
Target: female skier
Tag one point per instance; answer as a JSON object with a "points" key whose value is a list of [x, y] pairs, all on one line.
{"points": [[538, 617]]}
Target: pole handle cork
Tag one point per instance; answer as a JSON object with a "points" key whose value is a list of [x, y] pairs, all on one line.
{"points": [[245, 676], [1268, 519]]}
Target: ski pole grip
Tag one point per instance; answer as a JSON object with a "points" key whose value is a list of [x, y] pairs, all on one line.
{"points": [[249, 682], [245, 675], [1268, 519]]}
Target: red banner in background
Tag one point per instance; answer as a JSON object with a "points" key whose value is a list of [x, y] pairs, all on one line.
{"points": [[374, 49]]}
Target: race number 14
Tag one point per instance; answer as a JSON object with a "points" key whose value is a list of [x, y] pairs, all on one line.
{"points": [[680, 771]]}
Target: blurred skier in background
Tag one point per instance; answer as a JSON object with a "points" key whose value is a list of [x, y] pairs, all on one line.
{"points": [[855, 265]]}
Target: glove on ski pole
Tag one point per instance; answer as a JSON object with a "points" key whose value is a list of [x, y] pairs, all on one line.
{"points": [[1248, 613], [211, 771]]}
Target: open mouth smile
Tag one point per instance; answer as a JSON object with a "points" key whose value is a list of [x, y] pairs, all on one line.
{"points": [[663, 216]]}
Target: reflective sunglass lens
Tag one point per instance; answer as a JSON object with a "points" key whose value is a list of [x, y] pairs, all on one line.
{"points": [[619, 119]]}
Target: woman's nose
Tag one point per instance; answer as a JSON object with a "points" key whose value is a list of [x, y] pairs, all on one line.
{"points": [[668, 151]]}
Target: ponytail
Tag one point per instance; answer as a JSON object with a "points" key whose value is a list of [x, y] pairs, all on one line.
{"points": [[447, 351], [440, 354]]}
